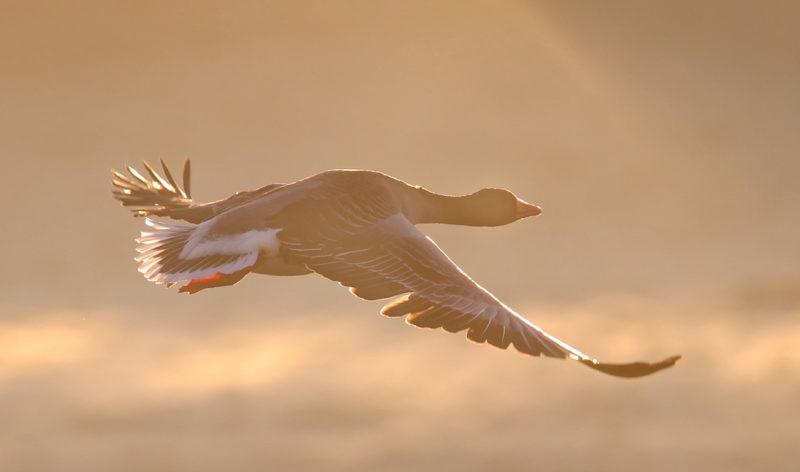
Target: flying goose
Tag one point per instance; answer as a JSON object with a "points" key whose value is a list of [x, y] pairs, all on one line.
{"points": [[355, 227]]}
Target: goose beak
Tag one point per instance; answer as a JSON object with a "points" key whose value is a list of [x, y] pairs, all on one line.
{"points": [[525, 209]]}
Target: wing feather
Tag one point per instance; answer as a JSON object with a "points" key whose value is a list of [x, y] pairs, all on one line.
{"points": [[162, 196], [360, 238], [395, 259]]}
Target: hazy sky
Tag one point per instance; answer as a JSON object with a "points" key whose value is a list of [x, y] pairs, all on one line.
{"points": [[661, 139]]}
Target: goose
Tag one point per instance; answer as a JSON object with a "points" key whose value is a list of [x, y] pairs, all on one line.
{"points": [[355, 227]]}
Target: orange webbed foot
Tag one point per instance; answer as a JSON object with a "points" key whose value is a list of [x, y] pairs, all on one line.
{"points": [[214, 280]]}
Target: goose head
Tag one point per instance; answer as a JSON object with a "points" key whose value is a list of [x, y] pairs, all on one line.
{"points": [[497, 207]]}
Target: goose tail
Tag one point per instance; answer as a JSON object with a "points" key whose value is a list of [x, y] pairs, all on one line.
{"points": [[170, 253]]}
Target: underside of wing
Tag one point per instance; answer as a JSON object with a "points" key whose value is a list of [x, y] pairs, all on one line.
{"points": [[502, 327], [383, 256]]}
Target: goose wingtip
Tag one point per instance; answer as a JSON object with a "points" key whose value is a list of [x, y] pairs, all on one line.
{"points": [[631, 370]]}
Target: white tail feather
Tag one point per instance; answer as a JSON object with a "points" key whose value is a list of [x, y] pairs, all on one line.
{"points": [[175, 252]]}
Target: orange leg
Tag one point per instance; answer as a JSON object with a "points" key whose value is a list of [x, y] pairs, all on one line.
{"points": [[216, 280]]}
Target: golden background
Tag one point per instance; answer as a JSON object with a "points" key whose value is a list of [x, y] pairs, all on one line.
{"points": [[661, 139]]}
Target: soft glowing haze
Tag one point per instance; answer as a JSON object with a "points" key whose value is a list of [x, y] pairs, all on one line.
{"points": [[661, 141]]}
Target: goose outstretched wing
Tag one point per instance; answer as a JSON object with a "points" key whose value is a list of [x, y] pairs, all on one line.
{"points": [[365, 244]]}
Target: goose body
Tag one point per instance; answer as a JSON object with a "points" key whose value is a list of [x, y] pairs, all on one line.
{"points": [[355, 227]]}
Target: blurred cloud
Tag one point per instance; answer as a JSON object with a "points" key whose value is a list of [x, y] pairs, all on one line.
{"points": [[27, 346], [769, 296], [364, 391]]}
